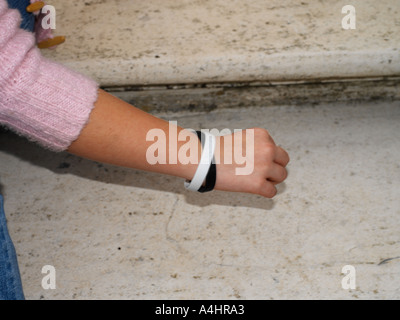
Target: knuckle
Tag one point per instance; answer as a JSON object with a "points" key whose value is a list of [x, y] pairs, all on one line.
{"points": [[269, 150], [261, 132], [287, 157], [263, 136], [283, 174]]}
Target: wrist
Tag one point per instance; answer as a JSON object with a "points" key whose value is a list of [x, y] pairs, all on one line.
{"points": [[205, 176], [192, 145]]}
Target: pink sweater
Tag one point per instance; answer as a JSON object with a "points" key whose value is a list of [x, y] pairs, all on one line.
{"points": [[39, 99]]}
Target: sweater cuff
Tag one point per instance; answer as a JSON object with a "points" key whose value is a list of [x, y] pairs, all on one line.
{"points": [[50, 104]]}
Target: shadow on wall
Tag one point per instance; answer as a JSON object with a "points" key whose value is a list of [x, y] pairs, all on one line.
{"points": [[67, 164]]}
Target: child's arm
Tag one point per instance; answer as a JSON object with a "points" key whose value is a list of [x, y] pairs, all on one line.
{"points": [[52, 105], [116, 134]]}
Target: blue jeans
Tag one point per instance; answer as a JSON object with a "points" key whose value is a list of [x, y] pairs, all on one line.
{"points": [[10, 280], [28, 19]]}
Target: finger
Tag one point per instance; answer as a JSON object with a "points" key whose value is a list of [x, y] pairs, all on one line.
{"points": [[268, 190], [281, 157], [277, 174]]}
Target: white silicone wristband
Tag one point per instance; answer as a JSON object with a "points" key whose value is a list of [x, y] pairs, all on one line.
{"points": [[206, 159]]}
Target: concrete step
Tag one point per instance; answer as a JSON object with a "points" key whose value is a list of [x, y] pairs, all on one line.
{"points": [[163, 42]]}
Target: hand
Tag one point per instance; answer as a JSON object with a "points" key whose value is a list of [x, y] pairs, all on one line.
{"points": [[264, 166]]}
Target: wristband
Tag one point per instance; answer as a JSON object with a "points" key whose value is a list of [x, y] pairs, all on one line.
{"points": [[206, 171], [211, 176]]}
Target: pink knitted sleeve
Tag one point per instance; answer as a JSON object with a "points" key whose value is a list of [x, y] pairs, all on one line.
{"points": [[39, 99]]}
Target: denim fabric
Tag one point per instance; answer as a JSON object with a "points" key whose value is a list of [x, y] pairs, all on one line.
{"points": [[10, 280], [28, 19]]}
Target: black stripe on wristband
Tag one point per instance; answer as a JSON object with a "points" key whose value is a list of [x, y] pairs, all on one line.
{"points": [[211, 177]]}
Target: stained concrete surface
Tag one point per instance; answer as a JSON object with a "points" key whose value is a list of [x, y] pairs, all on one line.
{"points": [[115, 233], [194, 41], [207, 97]]}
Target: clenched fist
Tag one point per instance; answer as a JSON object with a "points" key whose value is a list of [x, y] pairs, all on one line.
{"points": [[249, 161]]}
